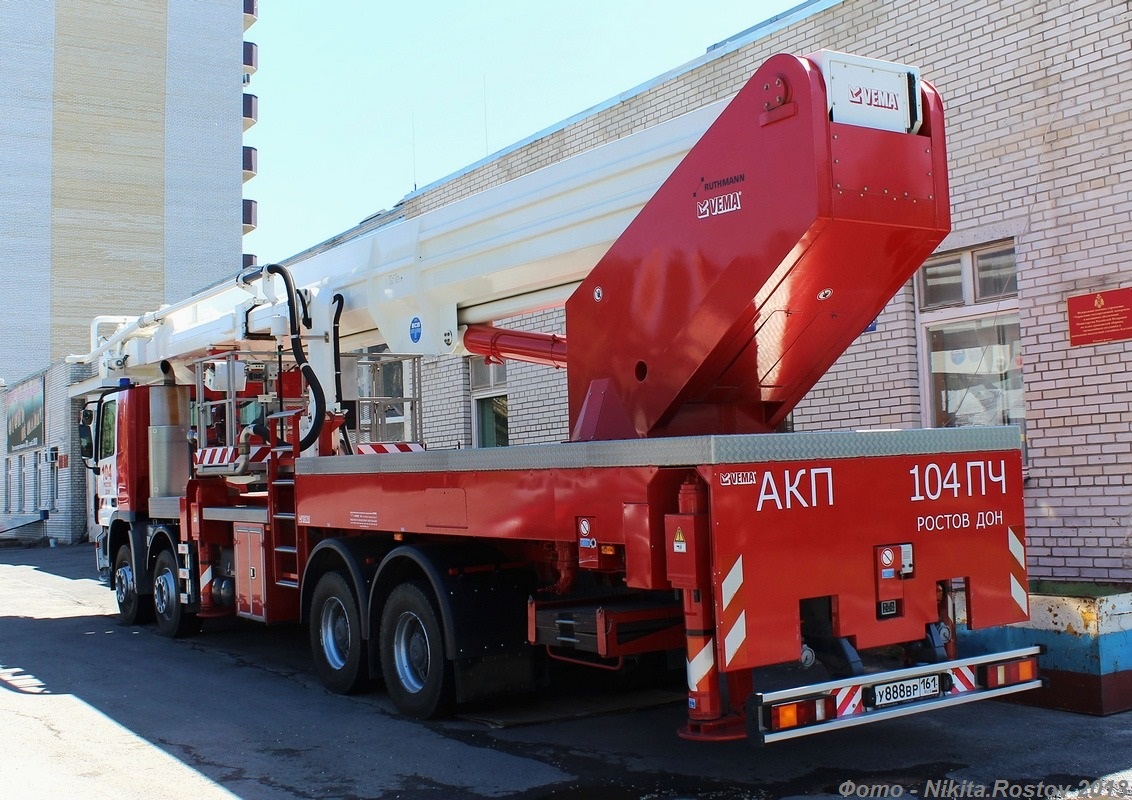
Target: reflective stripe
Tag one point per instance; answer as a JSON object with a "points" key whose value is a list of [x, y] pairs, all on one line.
{"points": [[1017, 549], [215, 456], [701, 665], [963, 680], [732, 582], [735, 638], [1018, 592], [1018, 570], [380, 448], [848, 701]]}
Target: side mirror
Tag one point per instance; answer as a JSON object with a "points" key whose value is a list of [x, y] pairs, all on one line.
{"points": [[86, 444]]}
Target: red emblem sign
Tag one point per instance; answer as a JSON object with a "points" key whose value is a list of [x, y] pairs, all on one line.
{"points": [[1100, 317]]}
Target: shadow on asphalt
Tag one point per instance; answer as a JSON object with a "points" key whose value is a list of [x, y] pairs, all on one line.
{"points": [[74, 562], [207, 689]]}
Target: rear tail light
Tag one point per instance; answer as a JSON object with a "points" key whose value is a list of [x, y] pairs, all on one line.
{"points": [[799, 713], [992, 676]]}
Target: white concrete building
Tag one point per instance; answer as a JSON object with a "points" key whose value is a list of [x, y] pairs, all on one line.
{"points": [[120, 189]]}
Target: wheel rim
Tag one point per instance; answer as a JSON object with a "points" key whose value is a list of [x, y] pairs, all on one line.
{"points": [[124, 584], [411, 652], [334, 628], [164, 589]]}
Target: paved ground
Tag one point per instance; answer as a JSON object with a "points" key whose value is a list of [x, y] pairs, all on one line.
{"points": [[93, 709]]}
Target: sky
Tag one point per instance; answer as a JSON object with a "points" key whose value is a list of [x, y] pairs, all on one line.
{"points": [[362, 100]]}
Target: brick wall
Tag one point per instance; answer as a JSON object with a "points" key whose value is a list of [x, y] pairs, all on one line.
{"points": [[446, 408], [536, 394]]}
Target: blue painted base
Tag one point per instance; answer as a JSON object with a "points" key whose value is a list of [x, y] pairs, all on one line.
{"points": [[1085, 673]]}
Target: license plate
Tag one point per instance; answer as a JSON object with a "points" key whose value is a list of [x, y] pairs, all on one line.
{"points": [[897, 692]]}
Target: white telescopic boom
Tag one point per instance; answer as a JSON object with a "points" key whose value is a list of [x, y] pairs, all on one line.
{"points": [[410, 283]]}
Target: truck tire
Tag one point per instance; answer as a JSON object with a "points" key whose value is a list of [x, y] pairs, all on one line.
{"points": [[172, 618], [336, 636], [417, 674], [133, 609]]}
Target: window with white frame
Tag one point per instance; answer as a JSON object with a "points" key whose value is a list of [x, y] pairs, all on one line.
{"points": [[489, 403], [971, 358], [21, 485]]}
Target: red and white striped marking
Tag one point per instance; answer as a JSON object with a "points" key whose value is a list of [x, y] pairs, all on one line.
{"points": [[701, 665], [849, 701], [380, 448], [962, 680], [221, 456], [206, 582], [1018, 571], [734, 617]]}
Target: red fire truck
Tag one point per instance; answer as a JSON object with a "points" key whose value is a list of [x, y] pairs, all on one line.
{"points": [[712, 268]]}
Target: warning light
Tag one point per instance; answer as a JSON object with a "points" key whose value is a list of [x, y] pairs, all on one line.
{"points": [[995, 675], [784, 716], [799, 713]]}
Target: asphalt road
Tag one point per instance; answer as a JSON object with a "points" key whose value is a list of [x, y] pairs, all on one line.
{"points": [[93, 709]]}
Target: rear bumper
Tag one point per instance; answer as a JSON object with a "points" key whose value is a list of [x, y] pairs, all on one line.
{"points": [[959, 679]]}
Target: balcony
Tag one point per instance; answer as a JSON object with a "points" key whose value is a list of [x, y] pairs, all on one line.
{"points": [[251, 58], [249, 216], [250, 161], [251, 110], [251, 12], [250, 260]]}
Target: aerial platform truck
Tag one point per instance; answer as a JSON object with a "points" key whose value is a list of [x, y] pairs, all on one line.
{"points": [[712, 268]]}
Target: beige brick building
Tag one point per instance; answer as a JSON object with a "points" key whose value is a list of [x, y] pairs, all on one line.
{"points": [[120, 190], [1039, 122]]}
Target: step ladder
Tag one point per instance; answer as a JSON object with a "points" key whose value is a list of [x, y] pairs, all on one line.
{"points": [[284, 535]]}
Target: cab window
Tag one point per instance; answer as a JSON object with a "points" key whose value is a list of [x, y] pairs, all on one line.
{"points": [[106, 429]]}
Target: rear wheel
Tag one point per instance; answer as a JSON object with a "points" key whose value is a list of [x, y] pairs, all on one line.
{"points": [[419, 677], [132, 608], [336, 636], [172, 618]]}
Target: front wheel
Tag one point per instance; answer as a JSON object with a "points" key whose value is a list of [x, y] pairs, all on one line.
{"points": [[419, 677], [133, 609], [172, 618], [336, 636]]}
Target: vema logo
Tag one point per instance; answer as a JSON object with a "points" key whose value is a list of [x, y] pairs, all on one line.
{"points": [[723, 204], [874, 98]]}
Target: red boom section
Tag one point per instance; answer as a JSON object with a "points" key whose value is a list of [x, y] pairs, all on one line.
{"points": [[773, 244], [499, 343]]}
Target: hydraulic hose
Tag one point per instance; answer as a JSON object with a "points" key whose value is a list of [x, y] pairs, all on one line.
{"points": [[301, 357], [306, 318], [339, 302]]}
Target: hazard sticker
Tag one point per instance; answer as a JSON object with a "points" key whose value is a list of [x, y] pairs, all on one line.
{"points": [[679, 545]]}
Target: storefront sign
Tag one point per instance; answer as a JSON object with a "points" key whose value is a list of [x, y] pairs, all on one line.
{"points": [[1100, 317], [25, 416]]}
